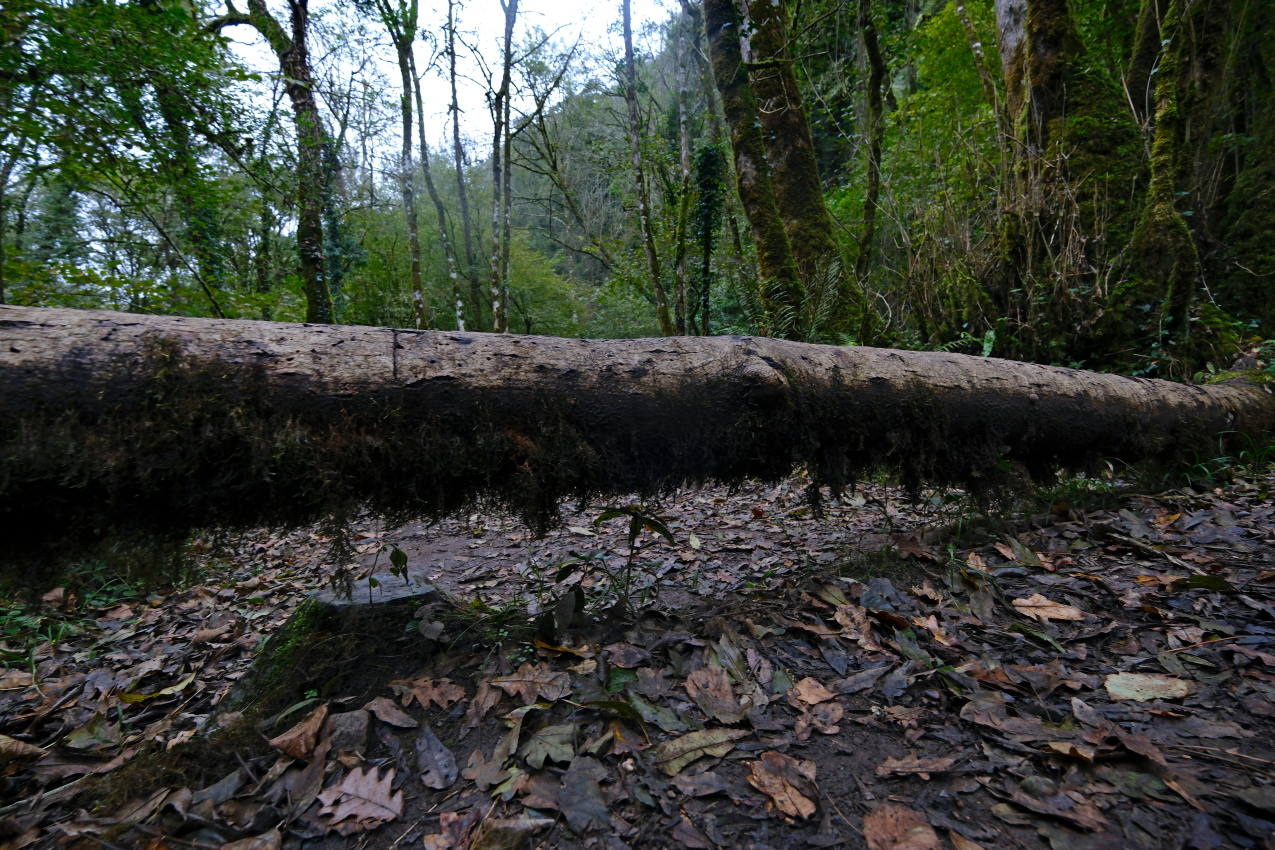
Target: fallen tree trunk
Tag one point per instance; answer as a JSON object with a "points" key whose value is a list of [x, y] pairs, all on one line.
{"points": [[157, 424]]}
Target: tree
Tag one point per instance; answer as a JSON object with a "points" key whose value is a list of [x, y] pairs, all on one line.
{"points": [[159, 425], [400, 22], [292, 52], [639, 176], [781, 288]]}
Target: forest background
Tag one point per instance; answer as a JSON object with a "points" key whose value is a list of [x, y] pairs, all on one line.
{"points": [[1083, 182]]}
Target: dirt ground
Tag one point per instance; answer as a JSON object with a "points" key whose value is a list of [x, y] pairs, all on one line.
{"points": [[1098, 672]]}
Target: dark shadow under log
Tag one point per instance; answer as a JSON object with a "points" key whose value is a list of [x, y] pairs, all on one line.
{"points": [[152, 425]]}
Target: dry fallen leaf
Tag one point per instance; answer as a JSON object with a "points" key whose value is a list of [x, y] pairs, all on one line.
{"points": [[299, 741], [387, 712], [507, 833], [711, 690], [440, 692], [1042, 608], [1141, 687], [361, 801], [894, 827], [535, 681], [810, 692], [788, 782], [673, 756], [13, 751], [911, 764]]}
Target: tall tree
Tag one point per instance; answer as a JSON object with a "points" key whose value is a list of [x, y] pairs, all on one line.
{"points": [[498, 104], [292, 52], [400, 19], [781, 290], [639, 176], [458, 164]]}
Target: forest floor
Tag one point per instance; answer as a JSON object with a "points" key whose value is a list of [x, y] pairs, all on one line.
{"points": [[890, 675]]}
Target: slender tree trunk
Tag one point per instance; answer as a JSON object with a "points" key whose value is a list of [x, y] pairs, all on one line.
{"points": [[499, 113], [458, 160], [506, 202], [295, 64], [876, 135], [289, 47], [444, 234], [1146, 50], [160, 424], [781, 290], [643, 197], [681, 312], [407, 178]]}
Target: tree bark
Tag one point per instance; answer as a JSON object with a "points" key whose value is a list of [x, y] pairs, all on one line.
{"points": [[499, 199], [876, 135], [403, 40], [781, 290], [790, 150], [458, 163], [639, 178], [159, 424], [294, 65]]}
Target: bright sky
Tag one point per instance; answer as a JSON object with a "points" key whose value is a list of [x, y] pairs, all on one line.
{"points": [[481, 23]]}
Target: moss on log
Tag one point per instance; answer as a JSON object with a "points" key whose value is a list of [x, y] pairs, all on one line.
{"points": [[151, 425]]}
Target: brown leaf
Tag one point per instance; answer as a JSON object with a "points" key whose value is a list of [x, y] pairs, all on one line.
{"points": [[483, 702], [1084, 815], [911, 764], [299, 741], [387, 712], [810, 692], [788, 782], [1042, 608], [711, 690], [507, 833], [1140, 687], [455, 827], [361, 801], [686, 834], [13, 751], [484, 773], [672, 756], [440, 692], [891, 826], [535, 681], [626, 655]]}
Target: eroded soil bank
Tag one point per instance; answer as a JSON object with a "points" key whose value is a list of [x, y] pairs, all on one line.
{"points": [[1090, 677]]}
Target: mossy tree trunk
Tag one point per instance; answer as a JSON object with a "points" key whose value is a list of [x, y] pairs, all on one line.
{"points": [[1075, 165], [790, 151], [113, 422], [1163, 252], [781, 289]]}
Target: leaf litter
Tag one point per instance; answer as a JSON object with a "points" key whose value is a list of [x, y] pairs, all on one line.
{"points": [[1093, 678]]}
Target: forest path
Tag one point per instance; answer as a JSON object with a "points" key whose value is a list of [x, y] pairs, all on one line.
{"points": [[1094, 678]]}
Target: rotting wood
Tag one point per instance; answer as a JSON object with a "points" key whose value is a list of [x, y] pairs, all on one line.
{"points": [[157, 424]]}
